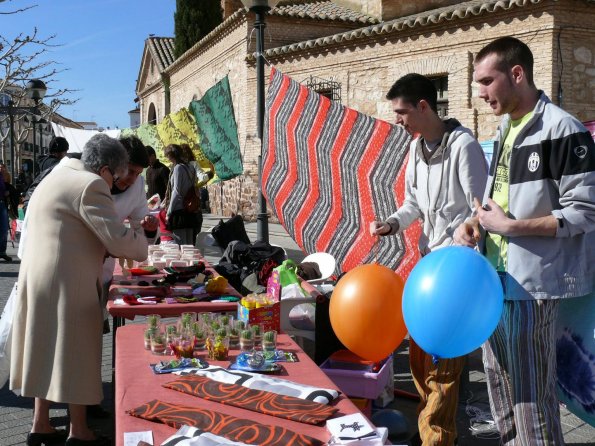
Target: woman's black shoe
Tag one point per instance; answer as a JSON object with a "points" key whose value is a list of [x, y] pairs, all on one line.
{"points": [[53, 438], [99, 441]]}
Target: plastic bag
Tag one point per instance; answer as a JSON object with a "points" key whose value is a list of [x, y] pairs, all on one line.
{"points": [[6, 336], [290, 282]]}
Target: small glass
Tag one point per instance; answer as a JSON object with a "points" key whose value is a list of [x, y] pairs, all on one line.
{"points": [[218, 348], [269, 341], [148, 334], [171, 331], [199, 336], [257, 330], [226, 320], [187, 318], [153, 320], [234, 338], [158, 345], [246, 341], [183, 346]]}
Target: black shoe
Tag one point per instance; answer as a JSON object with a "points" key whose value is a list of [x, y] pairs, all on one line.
{"points": [[54, 438], [6, 257], [99, 441], [96, 411]]}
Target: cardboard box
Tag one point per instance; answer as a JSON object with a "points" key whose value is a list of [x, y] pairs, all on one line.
{"points": [[269, 316], [359, 383]]}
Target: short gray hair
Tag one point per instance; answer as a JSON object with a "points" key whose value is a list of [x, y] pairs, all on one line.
{"points": [[101, 150]]}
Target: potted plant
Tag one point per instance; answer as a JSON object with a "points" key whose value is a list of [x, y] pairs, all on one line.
{"points": [[218, 345], [246, 340], [269, 341], [234, 338], [149, 332], [158, 343], [153, 320], [199, 337]]}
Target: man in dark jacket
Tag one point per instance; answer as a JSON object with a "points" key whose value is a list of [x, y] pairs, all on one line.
{"points": [[58, 148], [157, 175]]}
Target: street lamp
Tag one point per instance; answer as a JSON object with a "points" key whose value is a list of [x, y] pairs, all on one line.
{"points": [[35, 90], [34, 122], [260, 8]]}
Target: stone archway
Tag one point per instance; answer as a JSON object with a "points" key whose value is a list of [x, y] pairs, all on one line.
{"points": [[152, 116]]}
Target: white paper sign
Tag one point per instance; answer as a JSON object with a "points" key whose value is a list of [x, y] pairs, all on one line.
{"points": [[133, 438]]}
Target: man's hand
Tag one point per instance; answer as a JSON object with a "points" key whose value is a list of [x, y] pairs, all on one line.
{"points": [[379, 228], [467, 233], [493, 218], [149, 223]]}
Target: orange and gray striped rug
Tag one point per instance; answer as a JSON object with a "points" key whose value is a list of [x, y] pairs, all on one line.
{"points": [[328, 171]]}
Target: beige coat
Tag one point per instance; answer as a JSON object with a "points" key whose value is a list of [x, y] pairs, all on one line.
{"points": [[57, 325]]}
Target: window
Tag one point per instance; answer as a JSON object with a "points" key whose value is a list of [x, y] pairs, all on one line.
{"points": [[324, 87], [441, 84]]}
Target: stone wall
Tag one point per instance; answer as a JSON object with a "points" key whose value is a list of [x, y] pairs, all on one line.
{"points": [[573, 64], [366, 69]]}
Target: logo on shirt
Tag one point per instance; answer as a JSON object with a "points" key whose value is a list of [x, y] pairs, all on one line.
{"points": [[533, 163], [580, 151]]}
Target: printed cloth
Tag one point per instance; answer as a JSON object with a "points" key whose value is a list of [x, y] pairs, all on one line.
{"points": [[217, 130], [192, 436], [267, 383], [269, 403], [233, 428], [147, 133], [180, 128], [329, 170]]}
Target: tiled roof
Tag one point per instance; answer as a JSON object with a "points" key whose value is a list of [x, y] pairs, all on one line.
{"points": [[162, 50], [458, 11], [321, 10], [307, 9]]}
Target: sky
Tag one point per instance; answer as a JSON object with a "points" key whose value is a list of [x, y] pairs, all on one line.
{"points": [[102, 43]]}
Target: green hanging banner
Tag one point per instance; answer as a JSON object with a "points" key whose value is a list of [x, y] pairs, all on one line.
{"points": [[217, 130]]}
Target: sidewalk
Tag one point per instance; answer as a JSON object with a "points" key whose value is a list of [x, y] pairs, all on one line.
{"points": [[16, 413]]}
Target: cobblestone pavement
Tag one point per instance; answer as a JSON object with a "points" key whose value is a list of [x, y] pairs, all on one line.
{"points": [[16, 412]]}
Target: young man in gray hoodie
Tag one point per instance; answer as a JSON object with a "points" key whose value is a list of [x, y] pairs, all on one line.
{"points": [[446, 169]]}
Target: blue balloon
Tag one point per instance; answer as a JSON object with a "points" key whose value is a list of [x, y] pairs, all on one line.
{"points": [[452, 301]]}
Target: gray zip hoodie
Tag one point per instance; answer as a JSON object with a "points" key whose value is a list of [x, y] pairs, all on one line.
{"points": [[440, 190]]}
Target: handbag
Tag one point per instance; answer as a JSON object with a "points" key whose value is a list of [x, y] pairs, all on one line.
{"points": [[6, 335], [191, 199]]}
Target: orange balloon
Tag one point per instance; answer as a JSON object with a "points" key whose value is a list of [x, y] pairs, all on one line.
{"points": [[366, 312]]}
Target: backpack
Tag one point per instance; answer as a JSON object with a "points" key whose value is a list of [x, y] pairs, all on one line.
{"points": [[191, 199]]}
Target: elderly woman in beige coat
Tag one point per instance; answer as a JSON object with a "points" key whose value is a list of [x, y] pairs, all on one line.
{"points": [[57, 326]]}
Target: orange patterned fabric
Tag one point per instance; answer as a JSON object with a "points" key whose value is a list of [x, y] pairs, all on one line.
{"points": [[261, 401], [236, 429]]}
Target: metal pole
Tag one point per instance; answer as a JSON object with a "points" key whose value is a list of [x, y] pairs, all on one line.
{"points": [[262, 221], [34, 148], [12, 151]]}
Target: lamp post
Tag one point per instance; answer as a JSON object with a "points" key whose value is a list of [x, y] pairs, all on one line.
{"points": [[34, 90], [260, 8], [34, 122]]}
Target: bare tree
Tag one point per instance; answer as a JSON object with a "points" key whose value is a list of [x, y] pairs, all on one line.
{"points": [[23, 58]]}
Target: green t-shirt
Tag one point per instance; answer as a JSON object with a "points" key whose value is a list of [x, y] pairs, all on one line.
{"points": [[496, 245]]}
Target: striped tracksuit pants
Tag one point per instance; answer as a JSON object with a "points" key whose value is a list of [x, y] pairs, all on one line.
{"points": [[438, 388], [520, 364]]}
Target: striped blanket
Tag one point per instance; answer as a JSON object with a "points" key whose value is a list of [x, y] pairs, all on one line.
{"points": [[328, 171]]}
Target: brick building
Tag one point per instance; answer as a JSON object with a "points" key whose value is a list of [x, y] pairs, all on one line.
{"points": [[353, 50]]}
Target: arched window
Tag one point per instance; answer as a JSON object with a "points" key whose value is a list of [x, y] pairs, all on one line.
{"points": [[152, 117]]}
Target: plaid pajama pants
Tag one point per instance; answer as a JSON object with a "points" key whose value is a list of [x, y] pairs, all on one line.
{"points": [[520, 364]]}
